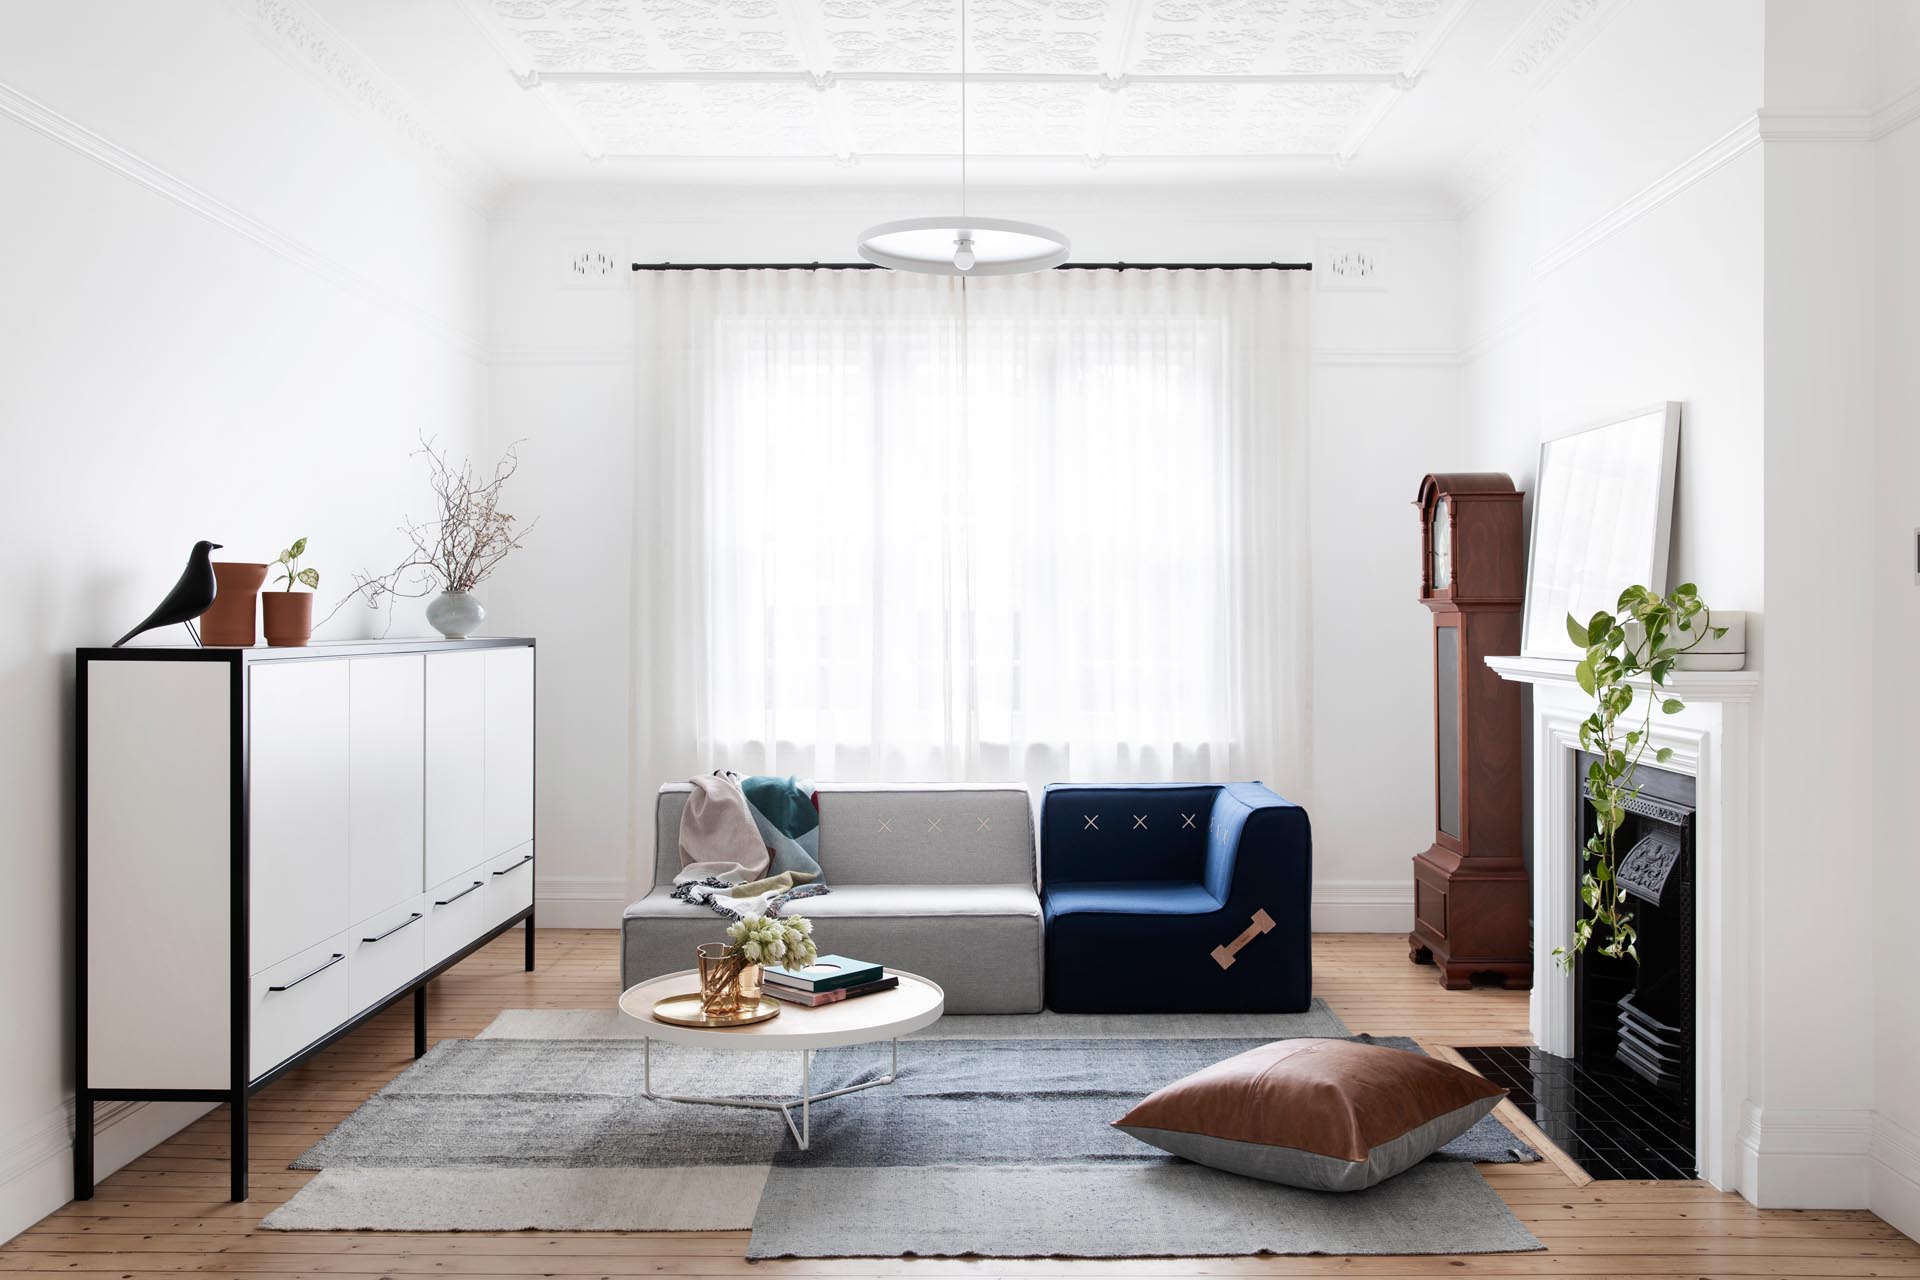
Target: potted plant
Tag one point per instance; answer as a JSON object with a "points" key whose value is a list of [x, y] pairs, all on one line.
{"points": [[1641, 639], [455, 552], [730, 971], [289, 613], [234, 616]]}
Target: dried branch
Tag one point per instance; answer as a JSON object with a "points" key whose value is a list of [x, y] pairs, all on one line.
{"points": [[461, 548]]}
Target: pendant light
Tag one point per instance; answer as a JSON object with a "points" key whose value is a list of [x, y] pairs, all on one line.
{"points": [[964, 245]]}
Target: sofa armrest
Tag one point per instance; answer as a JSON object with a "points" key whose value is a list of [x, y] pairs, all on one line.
{"points": [[1260, 855]]}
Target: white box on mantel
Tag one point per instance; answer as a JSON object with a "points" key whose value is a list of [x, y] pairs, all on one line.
{"points": [[1725, 653]]}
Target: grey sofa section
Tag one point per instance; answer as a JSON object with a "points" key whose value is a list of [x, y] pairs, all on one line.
{"points": [[935, 880]]}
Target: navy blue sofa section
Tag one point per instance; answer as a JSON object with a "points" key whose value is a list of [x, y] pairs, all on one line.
{"points": [[1140, 884]]}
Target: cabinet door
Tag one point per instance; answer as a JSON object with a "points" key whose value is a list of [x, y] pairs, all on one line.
{"points": [[297, 804], [456, 763], [509, 749], [387, 753]]}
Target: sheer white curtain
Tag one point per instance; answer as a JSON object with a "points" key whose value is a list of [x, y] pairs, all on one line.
{"points": [[1038, 528]]}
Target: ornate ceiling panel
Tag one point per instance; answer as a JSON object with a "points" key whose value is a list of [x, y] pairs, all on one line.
{"points": [[1063, 78]]}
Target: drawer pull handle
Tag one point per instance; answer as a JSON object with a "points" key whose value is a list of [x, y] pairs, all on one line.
{"points": [[463, 893], [515, 867], [288, 986], [397, 928]]}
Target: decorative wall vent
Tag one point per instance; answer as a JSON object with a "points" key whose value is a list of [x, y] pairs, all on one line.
{"points": [[1351, 266]]}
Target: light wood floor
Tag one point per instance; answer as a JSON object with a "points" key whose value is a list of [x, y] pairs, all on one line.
{"points": [[166, 1213]]}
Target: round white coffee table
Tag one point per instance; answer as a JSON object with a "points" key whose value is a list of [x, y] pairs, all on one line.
{"points": [[885, 1015]]}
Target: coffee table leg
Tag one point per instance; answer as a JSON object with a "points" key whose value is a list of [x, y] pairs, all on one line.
{"points": [[802, 1132]]}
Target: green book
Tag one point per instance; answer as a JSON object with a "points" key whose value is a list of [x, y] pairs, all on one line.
{"points": [[827, 973]]}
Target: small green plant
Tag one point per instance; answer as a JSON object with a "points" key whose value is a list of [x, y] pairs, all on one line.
{"points": [[1641, 639], [290, 570]]}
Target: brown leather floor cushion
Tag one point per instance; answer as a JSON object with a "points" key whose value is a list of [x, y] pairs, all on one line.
{"points": [[1328, 1115]]}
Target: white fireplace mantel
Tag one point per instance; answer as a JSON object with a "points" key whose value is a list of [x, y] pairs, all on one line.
{"points": [[1709, 740]]}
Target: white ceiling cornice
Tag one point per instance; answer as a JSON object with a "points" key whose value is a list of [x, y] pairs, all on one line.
{"points": [[301, 37]]}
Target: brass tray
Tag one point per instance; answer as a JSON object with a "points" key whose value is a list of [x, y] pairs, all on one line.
{"points": [[685, 1011]]}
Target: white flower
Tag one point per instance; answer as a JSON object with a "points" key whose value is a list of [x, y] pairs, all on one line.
{"points": [[800, 923], [752, 950], [777, 951]]}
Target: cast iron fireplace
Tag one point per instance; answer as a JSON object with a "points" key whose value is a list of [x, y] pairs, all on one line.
{"points": [[1623, 1105]]}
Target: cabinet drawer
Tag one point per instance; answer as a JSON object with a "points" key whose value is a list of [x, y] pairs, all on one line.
{"points": [[456, 914], [388, 952], [509, 884], [298, 1001]]}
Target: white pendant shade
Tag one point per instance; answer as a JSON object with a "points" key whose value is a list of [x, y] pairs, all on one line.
{"points": [[941, 246]]}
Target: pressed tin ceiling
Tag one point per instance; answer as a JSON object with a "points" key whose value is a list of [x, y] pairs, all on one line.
{"points": [[843, 80]]}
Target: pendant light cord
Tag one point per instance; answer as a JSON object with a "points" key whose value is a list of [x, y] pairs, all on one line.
{"points": [[963, 108]]}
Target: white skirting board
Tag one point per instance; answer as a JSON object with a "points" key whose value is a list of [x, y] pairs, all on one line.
{"points": [[579, 902], [1363, 906], [36, 1161], [1339, 906], [1893, 1175], [1804, 1158]]}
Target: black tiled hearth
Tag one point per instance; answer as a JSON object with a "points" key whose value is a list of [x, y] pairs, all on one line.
{"points": [[1611, 1122]]}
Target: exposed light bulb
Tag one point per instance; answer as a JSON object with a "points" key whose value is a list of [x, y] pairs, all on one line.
{"points": [[963, 258]]}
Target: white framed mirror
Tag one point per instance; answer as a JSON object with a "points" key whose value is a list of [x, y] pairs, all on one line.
{"points": [[1602, 519]]}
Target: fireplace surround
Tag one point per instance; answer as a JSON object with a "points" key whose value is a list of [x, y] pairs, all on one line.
{"points": [[1710, 744]]}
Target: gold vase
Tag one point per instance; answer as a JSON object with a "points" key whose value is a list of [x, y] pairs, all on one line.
{"points": [[721, 970]]}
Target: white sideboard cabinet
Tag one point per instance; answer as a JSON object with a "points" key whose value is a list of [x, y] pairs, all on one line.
{"points": [[275, 844]]}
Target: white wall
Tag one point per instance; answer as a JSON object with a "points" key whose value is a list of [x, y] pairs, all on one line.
{"points": [[1384, 409], [1691, 214], [233, 296], [1894, 593]]}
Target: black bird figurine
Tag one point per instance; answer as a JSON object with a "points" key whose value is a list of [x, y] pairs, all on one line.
{"points": [[190, 597]]}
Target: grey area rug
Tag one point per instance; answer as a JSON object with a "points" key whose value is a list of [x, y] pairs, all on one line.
{"points": [[519, 1130]]}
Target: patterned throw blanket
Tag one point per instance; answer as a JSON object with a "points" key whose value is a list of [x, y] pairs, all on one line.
{"points": [[748, 845]]}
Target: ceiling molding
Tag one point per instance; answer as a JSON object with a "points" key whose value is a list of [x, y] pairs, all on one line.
{"points": [[1840, 124], [1552, 34], [300, 37], [1702, 164], [110, 155]]}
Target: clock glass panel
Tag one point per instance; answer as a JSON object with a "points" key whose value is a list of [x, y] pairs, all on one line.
{"points": [[1440, 538]]}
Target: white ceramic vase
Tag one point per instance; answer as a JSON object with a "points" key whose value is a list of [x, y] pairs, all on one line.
{"points": [[455, 614]]}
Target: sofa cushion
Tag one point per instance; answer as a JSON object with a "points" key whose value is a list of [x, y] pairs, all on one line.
{"points": [[867, 900], [982, 943], [1132, 898], [873, 834], [1327, 1115], [1141, 832]]}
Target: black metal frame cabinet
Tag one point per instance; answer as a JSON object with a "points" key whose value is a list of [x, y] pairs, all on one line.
{"points": [[274, 845]]}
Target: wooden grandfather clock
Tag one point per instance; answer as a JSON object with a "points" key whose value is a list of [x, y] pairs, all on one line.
{"points": [[1471, 902]]}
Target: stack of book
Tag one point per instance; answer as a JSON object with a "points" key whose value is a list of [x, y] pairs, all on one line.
{"points": [[826, 980]]}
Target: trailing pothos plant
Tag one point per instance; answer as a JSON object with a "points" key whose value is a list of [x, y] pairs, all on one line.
{"points": [[1641, 639]]}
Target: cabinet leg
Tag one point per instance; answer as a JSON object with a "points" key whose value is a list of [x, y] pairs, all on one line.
{"points": [[529, 942], [83, 1145], [420, 1020], [238, 1143]]}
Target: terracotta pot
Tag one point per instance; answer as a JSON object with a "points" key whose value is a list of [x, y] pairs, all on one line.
{"points": [[231, 618], [288, 616]]}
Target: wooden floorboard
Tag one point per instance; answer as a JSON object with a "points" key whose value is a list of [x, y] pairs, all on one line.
{"points": [[165, 1213]]}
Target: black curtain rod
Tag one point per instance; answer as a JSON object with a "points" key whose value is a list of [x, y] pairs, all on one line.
{"points": [[1065, 266]]}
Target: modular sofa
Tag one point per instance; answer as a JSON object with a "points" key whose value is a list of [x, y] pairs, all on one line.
{"points": [[935, 880], [1176, 899]]}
